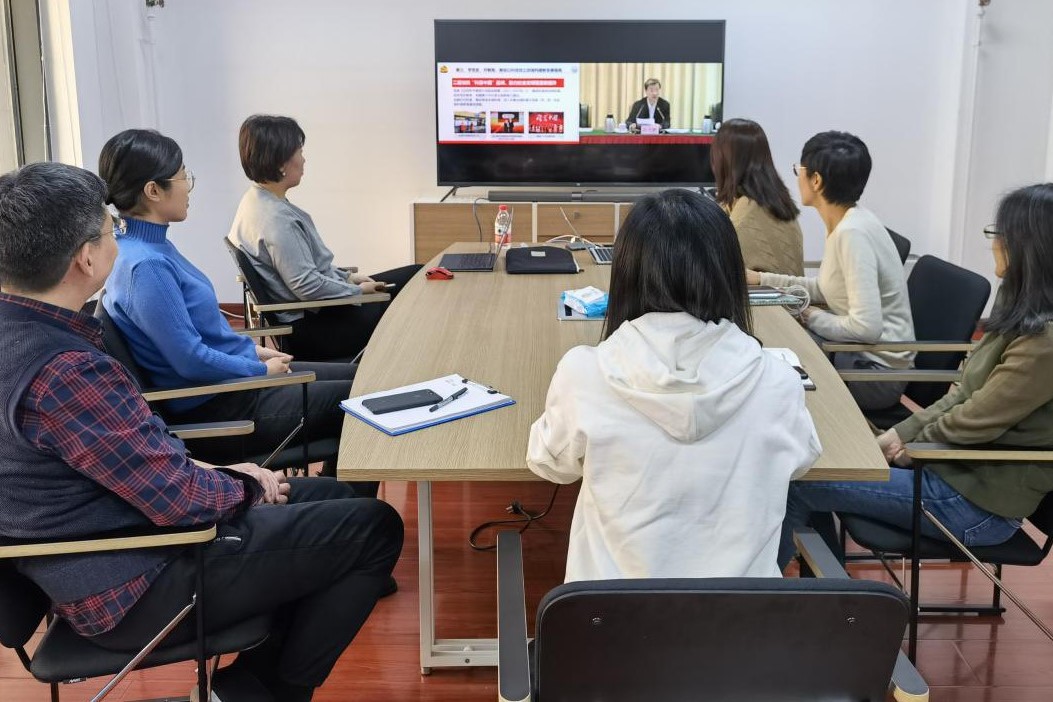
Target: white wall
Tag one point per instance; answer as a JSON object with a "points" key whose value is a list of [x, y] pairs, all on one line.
{"points": [[359, 78], [1011, 144]]}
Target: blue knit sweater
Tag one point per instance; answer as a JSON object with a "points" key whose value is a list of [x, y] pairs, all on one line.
{"points": [[169, 315]]}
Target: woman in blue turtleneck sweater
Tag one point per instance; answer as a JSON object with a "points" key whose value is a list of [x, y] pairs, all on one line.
{"points": [[169, 315]]}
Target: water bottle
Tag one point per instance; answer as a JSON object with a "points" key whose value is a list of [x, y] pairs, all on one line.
{"points": [[707, 125], [608, 125], [503, 227]]}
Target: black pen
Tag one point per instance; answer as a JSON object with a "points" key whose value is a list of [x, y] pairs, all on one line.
{"points": [[448, 400]]}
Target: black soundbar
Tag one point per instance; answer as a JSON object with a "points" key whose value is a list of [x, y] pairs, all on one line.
{"points": [[562, 196]]}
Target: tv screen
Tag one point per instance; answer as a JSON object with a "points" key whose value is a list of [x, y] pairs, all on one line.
{"points": [[577, 102]]}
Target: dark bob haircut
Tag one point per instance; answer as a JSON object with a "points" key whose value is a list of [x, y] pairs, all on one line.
{"points": [[677, 252], [1025, 225], [265, 143], [742, 164], [842, 159], [48, 211], [132, 159]]}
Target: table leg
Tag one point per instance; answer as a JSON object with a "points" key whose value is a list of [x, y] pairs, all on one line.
{"points": [[441, 653]]}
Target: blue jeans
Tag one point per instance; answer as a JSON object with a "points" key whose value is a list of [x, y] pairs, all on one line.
{"points": [[891, 502]]}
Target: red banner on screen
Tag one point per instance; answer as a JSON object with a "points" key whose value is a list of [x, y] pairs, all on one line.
{"points": [[508, 82]]}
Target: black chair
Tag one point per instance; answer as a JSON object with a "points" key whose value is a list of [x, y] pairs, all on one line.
{"points": [[261, 307], [888, 541], [946, 302], [64, 656], [297, 455], [754, 639], [902, 245]]}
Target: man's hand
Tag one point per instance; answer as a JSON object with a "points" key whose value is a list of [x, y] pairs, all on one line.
{"points": [[275, 485]]}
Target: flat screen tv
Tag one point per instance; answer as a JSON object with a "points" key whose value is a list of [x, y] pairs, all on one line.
{"points": [[574, 102]]}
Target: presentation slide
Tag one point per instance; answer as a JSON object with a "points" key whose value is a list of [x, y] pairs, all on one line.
{"points": [[492, 103]]}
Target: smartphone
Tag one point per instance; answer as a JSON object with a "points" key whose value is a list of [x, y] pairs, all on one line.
{"points": [[401, 401]]}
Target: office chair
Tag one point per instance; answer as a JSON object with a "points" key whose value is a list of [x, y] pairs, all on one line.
{"points": [[262, 307], [946, 302], [299, 454], [754, 639], [902, 245], [64, 656], [886, 540]]}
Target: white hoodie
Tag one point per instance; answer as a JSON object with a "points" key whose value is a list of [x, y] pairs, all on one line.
{"points": [[685, 435]]}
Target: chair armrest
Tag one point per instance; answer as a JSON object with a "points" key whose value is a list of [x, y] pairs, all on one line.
{"points": [[817, 555], [926, 452], [211, 429], [265, 331], [907, 683], [513, 656], [910, 375], [233, 385], [316, 304], [149, 537], [919, 346]]}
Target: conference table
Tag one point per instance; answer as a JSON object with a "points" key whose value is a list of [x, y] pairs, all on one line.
{"points": [[502, 330]]}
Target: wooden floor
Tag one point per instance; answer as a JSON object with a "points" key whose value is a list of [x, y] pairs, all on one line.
{"points": [[964, 659]]}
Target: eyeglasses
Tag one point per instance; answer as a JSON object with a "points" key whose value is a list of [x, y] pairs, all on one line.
{"points": [[188, 176], [797, 168], [991, 232]]}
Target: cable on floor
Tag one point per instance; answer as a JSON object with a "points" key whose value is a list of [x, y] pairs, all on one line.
{"points": [[524, 518]]}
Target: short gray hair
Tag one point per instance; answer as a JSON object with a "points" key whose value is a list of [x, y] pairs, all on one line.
{"points": [[47, 212]]}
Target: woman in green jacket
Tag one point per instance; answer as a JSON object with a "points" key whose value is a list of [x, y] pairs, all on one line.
{"points": [[1005, 397]]}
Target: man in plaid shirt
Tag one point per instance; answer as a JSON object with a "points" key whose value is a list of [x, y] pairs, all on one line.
{"points": [[82, 453]]}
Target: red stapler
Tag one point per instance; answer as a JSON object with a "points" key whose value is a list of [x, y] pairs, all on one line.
{"points": [[438, 273]]}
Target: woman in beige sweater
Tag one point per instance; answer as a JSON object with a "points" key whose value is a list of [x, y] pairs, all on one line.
{"points": [[861, 280], [751, 192]]}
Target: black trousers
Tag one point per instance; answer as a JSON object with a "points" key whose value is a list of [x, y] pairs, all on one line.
{"points": [[341, 332], [317, 564], [276, 412]]}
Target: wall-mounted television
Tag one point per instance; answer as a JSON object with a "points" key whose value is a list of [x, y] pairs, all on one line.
{"points": [[523, 102]]}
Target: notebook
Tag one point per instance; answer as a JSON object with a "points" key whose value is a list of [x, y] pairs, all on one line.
{"points": [[790, 357], [468, 261], [766, 295], [478, 398], [602, 255]]}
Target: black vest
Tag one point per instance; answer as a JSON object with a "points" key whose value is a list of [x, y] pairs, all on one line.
{"points": [[41, 496]]}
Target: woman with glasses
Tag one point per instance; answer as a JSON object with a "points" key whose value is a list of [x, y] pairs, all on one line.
{"points": [[167, 312], [760, 206], [1005, 397], [284, 247], [861, 279]]}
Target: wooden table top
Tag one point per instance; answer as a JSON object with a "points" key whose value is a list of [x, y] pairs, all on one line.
{"points": [[501, 330]]}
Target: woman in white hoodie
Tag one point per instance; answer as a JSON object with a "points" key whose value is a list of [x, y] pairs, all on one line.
{"points": [[685, 434]]}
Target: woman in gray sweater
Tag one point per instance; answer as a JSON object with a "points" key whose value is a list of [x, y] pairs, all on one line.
{"points": [[288, 253]]}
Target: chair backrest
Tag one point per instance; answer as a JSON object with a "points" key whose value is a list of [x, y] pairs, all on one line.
{"points": [[253, 282], [946, 302], [22, 606], [902, 245], [113, 341], [752, 639]]}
